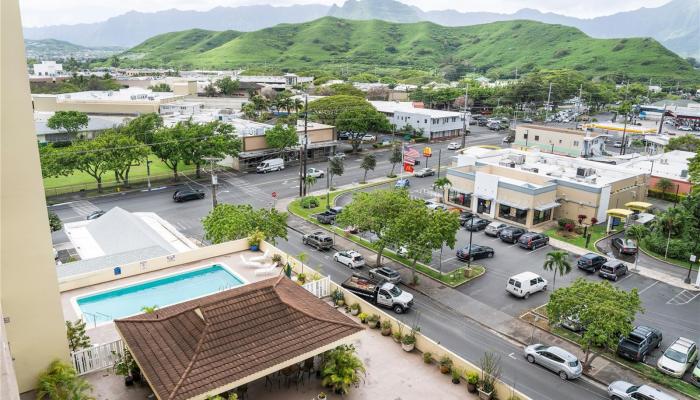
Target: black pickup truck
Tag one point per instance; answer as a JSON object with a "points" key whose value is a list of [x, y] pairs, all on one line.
{"points": [[326, 217], [639, 343]]}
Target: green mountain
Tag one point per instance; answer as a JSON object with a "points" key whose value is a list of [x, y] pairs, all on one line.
{"points": [[59, 49], [498, 48]]}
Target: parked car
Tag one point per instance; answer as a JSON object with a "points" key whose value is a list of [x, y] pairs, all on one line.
{"points": [[511, 234], [474, 252], [527, 120], [476, 224], [273, 164], [339, 155], [453, 146], [612, 270], [423, 172], [336, 210], [316, 173], [639, 343], [685, 128], [624, 246], [187, 194], [402, 184], [621, 390], [494, 126], [386, 274], [349, 258], [435, 206], [386, 294], [318, 239], [368, 138], [532, 240], [97, 214], [678, 357], [344, 136], [555, 359], [494, 228], [572, 323], [326, 217], [464, 217], [617, 144], [525, 283], [695, 378], [591, 262]]}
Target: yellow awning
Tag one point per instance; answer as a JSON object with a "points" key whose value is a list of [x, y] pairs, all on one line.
{"points": [[638, 205], [619, 212]]}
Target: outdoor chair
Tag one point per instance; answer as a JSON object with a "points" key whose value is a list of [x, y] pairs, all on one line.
{"points": [[250, 264], [265, 271], [259, 258]]}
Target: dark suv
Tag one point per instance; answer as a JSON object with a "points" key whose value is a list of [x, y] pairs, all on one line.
{"points": [[639, 343], [532, 240], [318, 239], [187, 194], [612, 270], [511, 234], [326, 217], [476, 224], [591, 262]]}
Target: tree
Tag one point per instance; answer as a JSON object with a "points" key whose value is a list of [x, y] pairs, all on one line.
{"points": [[282, 137], [60, 381], [122, 152], [369, 162], [55, 223], [558, 262], [237, 221], [335, 167], [441, 184], [55, 161], [395, 158], [210, 90], [167, 146], [694, 170], [605, 311], [77, 338], [89, 156], [637, 233], [664, 185], [685, 143], [143, 127], [310, 180], [341, 368], [227, 86], [213, 139], [161, 87], [149, 309], [346, 89], [376, 212], [70, 121]]}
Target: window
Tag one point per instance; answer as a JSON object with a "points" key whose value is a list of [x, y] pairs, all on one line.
{"points": [[512, 213], [525, 136], [575, 143], [537, 138], [456, 197], [559, 141], [425, 121], [542, 216], [533, 282]]}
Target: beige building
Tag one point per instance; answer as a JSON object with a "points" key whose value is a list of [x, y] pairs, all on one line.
{"points": [[569, 142], [31, 307], [131, 101], [533, 188]]}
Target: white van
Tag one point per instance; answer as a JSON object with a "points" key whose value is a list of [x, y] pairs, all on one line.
{"points": [[525, 283], [273, 164]]}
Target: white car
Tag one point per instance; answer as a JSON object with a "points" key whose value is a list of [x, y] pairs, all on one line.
{"points": [[368, 138], [685, 128], [350, 258], [621, 390], [617, 144], [678, 357], [435, 206], [453, 146], [316, 173]]}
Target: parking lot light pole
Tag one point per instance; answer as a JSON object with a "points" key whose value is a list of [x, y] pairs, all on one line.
{"points": [[693, 258], [471, 232]]}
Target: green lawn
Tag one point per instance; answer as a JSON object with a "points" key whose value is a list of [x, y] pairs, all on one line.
{"points": [[597, 232], [84, 181]]}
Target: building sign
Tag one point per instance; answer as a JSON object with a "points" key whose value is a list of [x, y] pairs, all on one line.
{"points": [[427, 152]]}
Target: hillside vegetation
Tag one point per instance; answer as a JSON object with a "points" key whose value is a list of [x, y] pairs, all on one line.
{"points": [[497, 48]]}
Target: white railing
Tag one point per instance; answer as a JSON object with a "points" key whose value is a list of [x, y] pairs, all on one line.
{"points": [[97, 357], [320, 288]]}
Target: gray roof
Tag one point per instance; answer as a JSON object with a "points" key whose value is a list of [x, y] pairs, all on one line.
{"points": [[120, 231], [109, 261], [95, 123]]}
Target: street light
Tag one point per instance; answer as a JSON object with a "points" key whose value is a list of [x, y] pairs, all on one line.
{"points": [[214, 180], [471, 232], [693, 258]]}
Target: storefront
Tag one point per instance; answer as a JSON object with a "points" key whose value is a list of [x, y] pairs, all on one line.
{"points": [[543, 213], [459, 198], [483, 206], [512, 212]]}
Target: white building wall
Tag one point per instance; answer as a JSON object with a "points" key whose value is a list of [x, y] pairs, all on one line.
{"points": [[48, 68]]}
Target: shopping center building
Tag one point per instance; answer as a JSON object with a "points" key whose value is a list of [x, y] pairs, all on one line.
{"points": [[532, 188]]}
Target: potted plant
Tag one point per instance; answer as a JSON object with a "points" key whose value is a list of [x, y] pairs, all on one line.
{"points": [[277, 259], [125, 366], [373, 321], [490, 372], [445, 364], [254, 240], [456, 375], [363, 317], [321, 396], [338, 298], [301, 278], [355, 308], [408, 342], [386, 327], [472, 381], [428, 357]]}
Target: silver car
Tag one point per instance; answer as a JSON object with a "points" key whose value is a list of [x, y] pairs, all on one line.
{"points": [[555, 359], [621, 390]]}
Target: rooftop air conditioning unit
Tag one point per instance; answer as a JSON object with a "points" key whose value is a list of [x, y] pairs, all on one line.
{"points": [[531, 169], [518, 159], [584, 172], [507, 163]]}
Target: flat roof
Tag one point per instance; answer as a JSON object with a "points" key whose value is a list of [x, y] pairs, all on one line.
{"points": [[128, 94], [666, 165], [557, 130], [408, 107], [95, 123]]}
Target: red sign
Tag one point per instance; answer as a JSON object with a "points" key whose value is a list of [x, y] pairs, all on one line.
{"points": [[274, 194], [408, 167]]}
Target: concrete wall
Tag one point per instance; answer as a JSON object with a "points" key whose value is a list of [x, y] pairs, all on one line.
{"points": [[569, 142], [28, 291], [50, 103], [684, 187]]}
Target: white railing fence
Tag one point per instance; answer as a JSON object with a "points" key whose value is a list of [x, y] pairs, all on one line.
{"points": [[320, 288], [97, 357]]}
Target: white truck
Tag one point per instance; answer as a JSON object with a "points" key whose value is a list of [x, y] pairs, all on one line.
{"points": [[382, 294], [273, 164]]}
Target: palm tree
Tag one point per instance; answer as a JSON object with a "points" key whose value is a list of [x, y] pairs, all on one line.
{"points": [[341, 369], [60, 381], [637, 233], [664, 185], [441, 183], [557, 261], [298, 104], [310, 180], [149, 309], [302, 259]]}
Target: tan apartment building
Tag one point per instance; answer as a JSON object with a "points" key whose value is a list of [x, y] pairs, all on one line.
{"points": [[532, 188], [569, 142], [31, 309], [131, 101]]}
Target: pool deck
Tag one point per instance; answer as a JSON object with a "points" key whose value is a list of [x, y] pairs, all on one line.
{"points": [[104, 333]]}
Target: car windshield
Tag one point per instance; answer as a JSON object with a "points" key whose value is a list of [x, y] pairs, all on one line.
{"points": [[676, 356], [395, 291], [573, 363], [632, 389]]}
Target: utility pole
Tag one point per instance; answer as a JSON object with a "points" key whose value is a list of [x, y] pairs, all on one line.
{"points": [[465, 123], [148, 172], [306, 135], [302, 151], [546, 106], [214, 180], [439, 161], [624, 128]]}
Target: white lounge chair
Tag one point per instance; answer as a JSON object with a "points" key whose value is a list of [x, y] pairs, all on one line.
{"points": [[265, 271], [250, 264], [259, 258]]}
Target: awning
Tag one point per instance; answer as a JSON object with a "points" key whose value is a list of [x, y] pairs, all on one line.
{"points": [[484, 197], [514, 205], [638, 205], [619, 212], [547, 206]]}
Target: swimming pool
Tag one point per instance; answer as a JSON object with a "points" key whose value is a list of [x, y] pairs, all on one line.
{"points": [[129, 300]]}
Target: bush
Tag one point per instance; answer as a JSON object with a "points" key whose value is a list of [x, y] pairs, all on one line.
{"points": [[310, 202], [421, 139], [677, 248], [657, 194], [54, 222], [563, 222]]}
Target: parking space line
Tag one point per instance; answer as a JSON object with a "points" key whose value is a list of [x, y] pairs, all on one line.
{"points": [[537, 249], [514, 244], [682, 298], [648, 287]]}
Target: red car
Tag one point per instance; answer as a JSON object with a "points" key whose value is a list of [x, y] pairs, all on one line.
{"points": [[624, 246]]}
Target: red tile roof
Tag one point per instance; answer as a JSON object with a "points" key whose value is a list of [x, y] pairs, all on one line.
{"points": [[191, 348]]}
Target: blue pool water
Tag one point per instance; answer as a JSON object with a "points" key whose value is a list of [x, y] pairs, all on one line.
{"points": [[128, 300]]}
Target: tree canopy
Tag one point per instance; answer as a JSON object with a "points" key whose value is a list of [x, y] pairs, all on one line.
{"points": [[237, 221], [227, 86], [282, 137], [70, 121], [685, 143]]}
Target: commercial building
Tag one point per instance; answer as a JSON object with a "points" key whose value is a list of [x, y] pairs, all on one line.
{"points": [[570, 142], [48, 68], [434, 124], [672, 165], [533, 188], [96, 125], [131, 101], [31, 310], [182, 107]]}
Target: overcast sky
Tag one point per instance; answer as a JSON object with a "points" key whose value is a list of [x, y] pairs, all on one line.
{"points": [[52, 12]]}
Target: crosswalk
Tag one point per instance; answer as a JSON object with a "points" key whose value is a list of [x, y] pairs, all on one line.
{"points": [[83, 207], [242, 187], [683, 297]]}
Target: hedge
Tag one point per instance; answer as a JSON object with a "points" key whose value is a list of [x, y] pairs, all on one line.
{"points": [[657, 194], [310, 202], [677, 248]]}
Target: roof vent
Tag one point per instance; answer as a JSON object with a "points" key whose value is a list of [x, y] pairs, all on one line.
{"points": [[198, 311]]}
